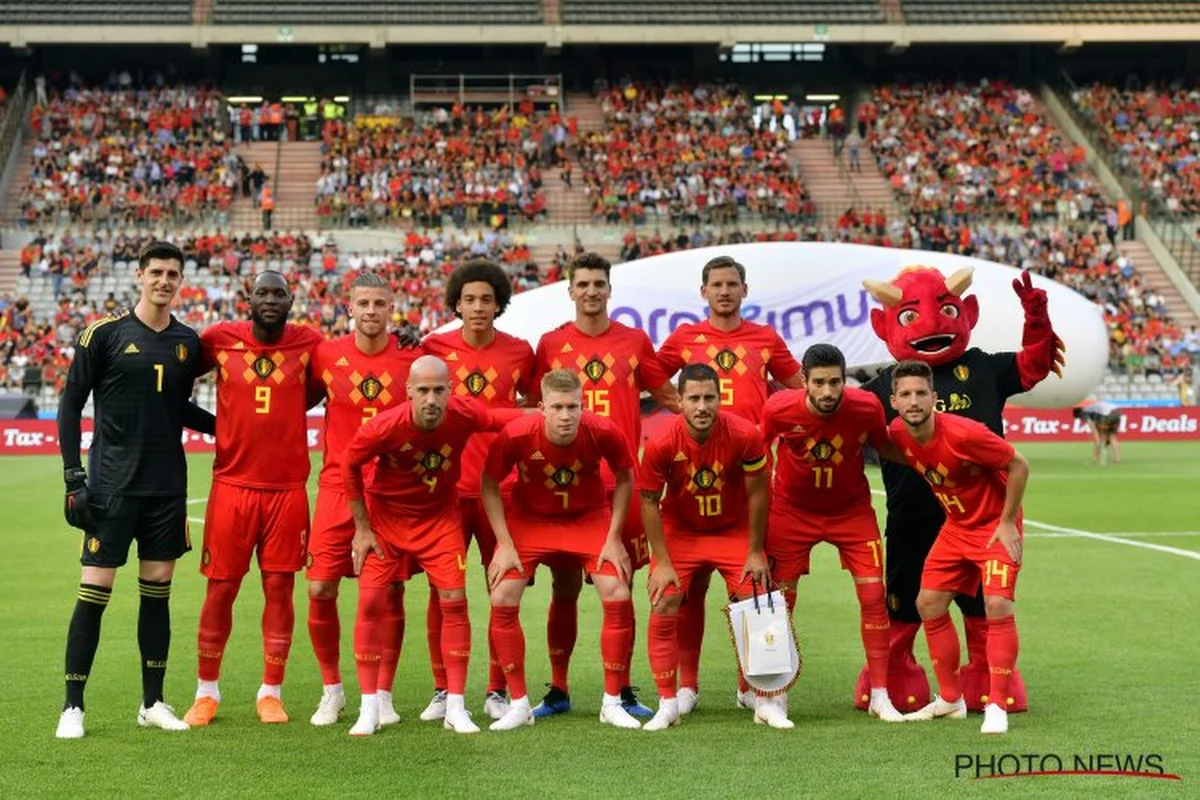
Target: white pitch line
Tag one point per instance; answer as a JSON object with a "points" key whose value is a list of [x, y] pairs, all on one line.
{"points": [[196, 519], [197, 501], [1135, 535]]}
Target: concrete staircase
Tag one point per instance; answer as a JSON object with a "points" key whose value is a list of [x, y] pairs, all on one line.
{"points": [[296, 189], [10, 270], [552, 12], [564, 206], [245, 215], [586, 109], [20, 179], [1154, 278], [832, 192]]}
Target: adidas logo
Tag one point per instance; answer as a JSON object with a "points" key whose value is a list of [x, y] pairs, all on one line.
{"points": [[679, 456], [537, 456], [566, 348], [701, 338], [132, 349], [239, 346], [798, 429], [342, 362], [452, 356]]}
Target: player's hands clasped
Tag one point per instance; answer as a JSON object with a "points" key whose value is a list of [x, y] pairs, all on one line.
{"points": [[364, 542], [661, 578], [76, 505], [504, 560], [1007, 534], [614, 553], [756, 568]]}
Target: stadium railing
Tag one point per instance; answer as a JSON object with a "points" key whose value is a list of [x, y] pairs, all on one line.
{"points": [[470, 89], [10, 126], [1167, 225]]}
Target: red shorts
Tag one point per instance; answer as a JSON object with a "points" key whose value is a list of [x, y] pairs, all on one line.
{"points": [[959, 561], [329, 543], [475, 524], [433, 543], [574, 541], [791, 536], [633, 534], [724, 551], [240, 522]]}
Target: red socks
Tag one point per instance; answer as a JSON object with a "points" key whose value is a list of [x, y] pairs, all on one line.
{"points": [[876, 630], [665, 632], [562, 628], [691, 635], [433, 634], [1002, 657], [325, 631], [943, 652], [505, 630], [456, 644], [278, 621], [372, 608], [216, 622], [391, 638], [616, 639]]}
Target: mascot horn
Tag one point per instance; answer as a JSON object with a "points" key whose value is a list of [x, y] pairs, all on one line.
{"points": [[926, 317]]}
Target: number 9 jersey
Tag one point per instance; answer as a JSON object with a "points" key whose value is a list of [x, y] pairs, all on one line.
{"points": [[262, 403]]}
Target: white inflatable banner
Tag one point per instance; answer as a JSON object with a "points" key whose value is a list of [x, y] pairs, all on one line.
{"points": [[812, 292]]}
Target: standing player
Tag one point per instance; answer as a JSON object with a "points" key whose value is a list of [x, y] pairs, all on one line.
{"points": [[615, 363], [493, 368], [979, 479], [258, 502], [362, 374], [822, 495], [744, 354], [560, 513], [712, 466], [139, 366], [411, 511]]}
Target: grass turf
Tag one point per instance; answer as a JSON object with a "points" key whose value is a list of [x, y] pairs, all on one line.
{"points": [[1104, 650]]}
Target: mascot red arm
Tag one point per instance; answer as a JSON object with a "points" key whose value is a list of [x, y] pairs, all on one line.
{"points": [[925, 316]]}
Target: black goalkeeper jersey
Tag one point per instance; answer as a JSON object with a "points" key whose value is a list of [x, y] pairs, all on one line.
{"points": [[975, 386], [141, 382]]}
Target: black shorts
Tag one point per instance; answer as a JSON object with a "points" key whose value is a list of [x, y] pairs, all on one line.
{"points": [[158, 524], [906, 546]]}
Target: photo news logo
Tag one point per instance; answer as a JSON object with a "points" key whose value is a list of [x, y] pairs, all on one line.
{"points": [[977, 766]]}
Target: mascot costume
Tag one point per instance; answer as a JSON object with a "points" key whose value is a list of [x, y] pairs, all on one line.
{"points": [[926, 317]]}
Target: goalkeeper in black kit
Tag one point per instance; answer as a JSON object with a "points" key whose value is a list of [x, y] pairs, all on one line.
{"points": [[139, 366]]}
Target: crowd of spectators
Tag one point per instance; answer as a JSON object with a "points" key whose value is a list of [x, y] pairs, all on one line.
{"points": [[678, 154], [1154, 132], [971, 152], [458, 166], [129, 155]]}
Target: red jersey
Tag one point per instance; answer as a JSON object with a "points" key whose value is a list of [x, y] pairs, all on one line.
{"points": [[262, 403], [357, 387], [820, 468], [554, 481], [417, 468], [493, 375], [615, 367], [743, 358], [966, 466], [705, 482]]}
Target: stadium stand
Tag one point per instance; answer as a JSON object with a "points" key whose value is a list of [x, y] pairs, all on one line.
{"points": [[363, 12], [718, 12], [1066, 12], [97, 12]]}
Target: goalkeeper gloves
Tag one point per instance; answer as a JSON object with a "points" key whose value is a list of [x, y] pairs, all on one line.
{"points": [[76, 507]]}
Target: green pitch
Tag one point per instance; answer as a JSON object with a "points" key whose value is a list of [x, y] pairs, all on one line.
{"points": [[1105, 649]]}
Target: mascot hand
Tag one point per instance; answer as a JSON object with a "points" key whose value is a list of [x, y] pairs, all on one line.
{"points": [[1032, 300], [1060, 356]]}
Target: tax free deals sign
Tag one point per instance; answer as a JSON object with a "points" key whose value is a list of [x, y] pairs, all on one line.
{"points": [[812, 292]]}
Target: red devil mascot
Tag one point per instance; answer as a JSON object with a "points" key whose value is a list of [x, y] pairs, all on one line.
{"points": [[925, 316]]}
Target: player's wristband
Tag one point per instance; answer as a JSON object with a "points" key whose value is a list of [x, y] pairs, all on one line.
{"points": [[74, 477]]}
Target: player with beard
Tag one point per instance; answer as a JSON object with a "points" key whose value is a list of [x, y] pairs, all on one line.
{"points": [[361, 374], [258, 503], [493, 368], [979, 479], [822, 495], [745, 355], [615, 363]]}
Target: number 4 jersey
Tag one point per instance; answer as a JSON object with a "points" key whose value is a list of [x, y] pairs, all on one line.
{"points": [[262, 401]]}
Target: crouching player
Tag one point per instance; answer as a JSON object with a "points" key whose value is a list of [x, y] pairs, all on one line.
{"points": [[980, 480], [704, 499]]}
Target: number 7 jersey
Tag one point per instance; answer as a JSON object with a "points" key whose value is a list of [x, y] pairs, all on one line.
{"points": [[262, 404]]}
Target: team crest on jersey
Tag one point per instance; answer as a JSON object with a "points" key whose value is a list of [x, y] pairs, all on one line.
{"points": [[822, 450], [962, 372], [370, 387], [476, 382], [432, 461], [726, 359], [93, 545], [181, 352], [705, 478], [595, 369], [563, 476], [263, 367], [934, 477]]}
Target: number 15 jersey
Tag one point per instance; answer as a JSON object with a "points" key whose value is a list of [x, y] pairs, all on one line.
{"points": [[262, 401]]}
